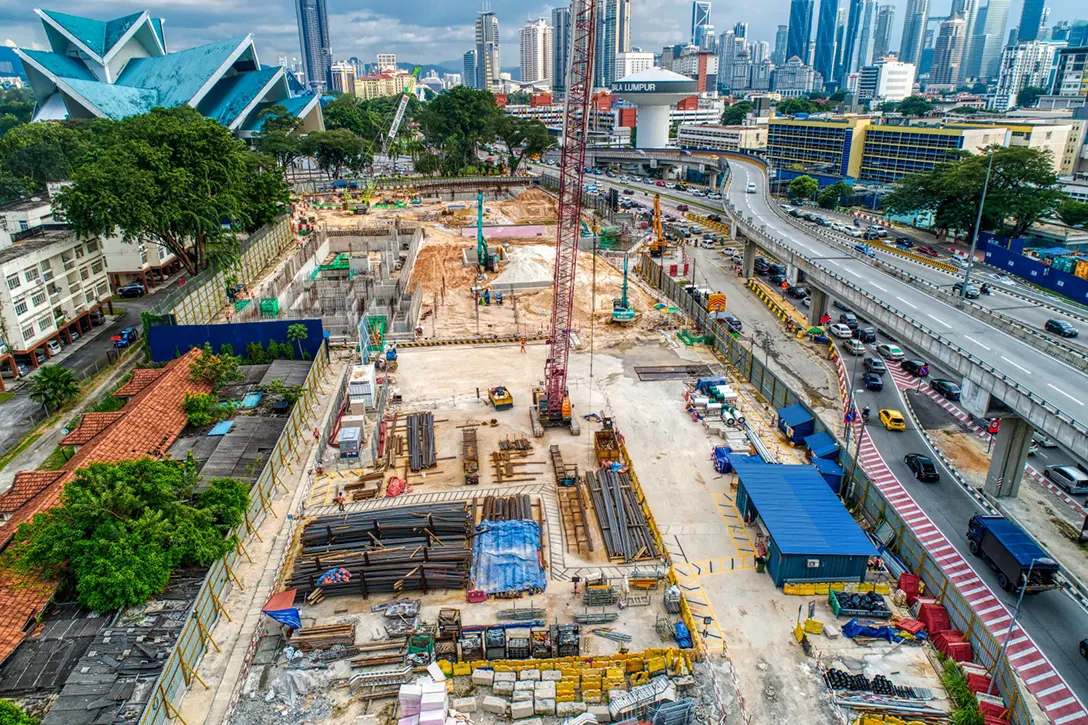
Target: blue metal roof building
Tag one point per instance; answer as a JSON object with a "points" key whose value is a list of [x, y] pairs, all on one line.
{"points": [[822, 445], [796, 422], [812, 538], [119, 68]]}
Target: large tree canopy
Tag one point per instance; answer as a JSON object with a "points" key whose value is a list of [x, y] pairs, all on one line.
{"points": [[803, 187], [38, 153], [172, 177], [338, 150], [914, 106], [457, 122], [1022, 189], [735, 114], [121, 528], [522, 137]]}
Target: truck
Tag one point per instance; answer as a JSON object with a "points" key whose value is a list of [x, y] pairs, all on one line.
{"points": [[1016, 557]]}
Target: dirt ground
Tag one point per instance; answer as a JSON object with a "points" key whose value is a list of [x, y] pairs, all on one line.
{"points": [[530, 206]]}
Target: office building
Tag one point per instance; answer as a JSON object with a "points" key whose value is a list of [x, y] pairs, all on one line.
{"points": [[793, 78], [1071, 73], [760, 51], [561, 39], [342, 75], [781, 40], [387, 62], [740, 78], [1024, 64], [125, 68], [537, 52], [721, 138], [830, 147], [762, 73], [384, 84], [824, 59], [988, 36], [849, 44], [741, 30], [468, 74], [891, 152], [1031, 20], [800, 30], [882, 39], [886, 80], [948, 52], [728, 48], [606, 42], [702, 65], [914, 31], [635, 62], [623, 25], [313, 37], [700, 21], [840, 32], [1049, 135], [863, 51], [487, 50]]}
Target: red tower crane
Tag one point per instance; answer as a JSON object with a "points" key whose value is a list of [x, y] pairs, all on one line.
{"points": [[551, 403]]}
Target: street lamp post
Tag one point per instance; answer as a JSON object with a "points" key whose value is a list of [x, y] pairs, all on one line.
{"points": [[1015, 616], [978, 223]]}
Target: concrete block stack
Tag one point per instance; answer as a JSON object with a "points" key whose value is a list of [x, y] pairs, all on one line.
{"points": [[534, 693], [425, 702]]}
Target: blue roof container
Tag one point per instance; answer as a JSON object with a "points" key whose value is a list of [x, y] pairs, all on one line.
{"points": [[796, 422], [822, 445], [831, 471]]}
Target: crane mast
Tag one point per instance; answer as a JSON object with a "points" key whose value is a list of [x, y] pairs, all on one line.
{"points": [[554, 406]]}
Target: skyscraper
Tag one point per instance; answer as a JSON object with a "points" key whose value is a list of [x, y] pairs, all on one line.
{"points": [[761, 51], [863, 54], [313, 37], [537, 48], [914, 31], [969, 11], [1031, 19], [824, 63], [623, 26], [700, 20], [800, 29], [849, 42], [613, 36], [882, 41], [781, 38], [487, 49], [561, 36], [986, 42], [840, 32], [468, 77], [948, 52], [741, 30]]}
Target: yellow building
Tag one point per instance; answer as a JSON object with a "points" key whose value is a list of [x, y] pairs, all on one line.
{"points": [[384, 84], [891, 152], [830, 146]]}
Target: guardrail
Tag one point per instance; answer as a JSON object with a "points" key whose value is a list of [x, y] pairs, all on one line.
{"points": [[856, 485]]}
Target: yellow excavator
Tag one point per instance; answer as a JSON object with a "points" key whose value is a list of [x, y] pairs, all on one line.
{"points": [[658, 245]]}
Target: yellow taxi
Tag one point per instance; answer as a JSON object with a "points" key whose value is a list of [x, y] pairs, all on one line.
{"points": [[892, 419]]}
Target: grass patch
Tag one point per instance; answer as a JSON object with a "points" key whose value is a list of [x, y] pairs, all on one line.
{"points": [[57, 458], [964, 703], [5, 397], [26, 443]]}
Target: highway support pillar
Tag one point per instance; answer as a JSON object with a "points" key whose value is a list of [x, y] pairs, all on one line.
{"points": [[817, 307], [749, 259], [1009, 457]]}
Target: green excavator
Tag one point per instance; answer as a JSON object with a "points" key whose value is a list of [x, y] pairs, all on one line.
{"points": [[622, 310], [488, 260]]}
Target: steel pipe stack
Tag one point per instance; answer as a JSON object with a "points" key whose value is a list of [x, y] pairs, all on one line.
{"points": [[411, 548], [507, 508], [421, 451], [627, 535]]}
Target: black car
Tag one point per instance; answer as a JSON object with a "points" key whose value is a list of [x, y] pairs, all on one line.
{"points": [[796, 213], [762, 265], [777, 268], [875, 365], [917, 368], [1062, 328], [808, 216], [797, 292], [133, 289], [947, 388], [732, 322], [849, 319], [777, 278], [873, 382], [628, 192], [865, 334], [922, 467], [904, 242]]}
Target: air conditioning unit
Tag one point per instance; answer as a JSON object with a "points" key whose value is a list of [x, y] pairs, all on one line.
{"points": [[812, 563]]}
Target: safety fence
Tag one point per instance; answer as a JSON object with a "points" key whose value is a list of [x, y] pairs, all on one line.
{"points": [[195, 640], [858, 490]]}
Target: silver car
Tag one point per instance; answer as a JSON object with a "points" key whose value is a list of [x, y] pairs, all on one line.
{"points": [[1071, 479]]}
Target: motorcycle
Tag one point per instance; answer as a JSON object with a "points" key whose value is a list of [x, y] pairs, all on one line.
{"points": [[984, 289], [865, 415]]}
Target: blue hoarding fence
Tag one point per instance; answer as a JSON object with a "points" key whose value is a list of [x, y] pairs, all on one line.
{"points": [[167, 342]]}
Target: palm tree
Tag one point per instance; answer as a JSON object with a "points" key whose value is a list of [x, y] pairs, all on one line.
{"points": [[54, 386], [297, 333]]}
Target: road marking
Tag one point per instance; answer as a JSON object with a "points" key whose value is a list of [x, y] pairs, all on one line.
{"points": [[1060, 703], [908, 304], [878, 287], [1062, 392], [1010, 362], [938, 320], [977, 343], [833, 262]]}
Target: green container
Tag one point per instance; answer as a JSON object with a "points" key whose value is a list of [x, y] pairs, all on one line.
{"points": [[270, 307]]}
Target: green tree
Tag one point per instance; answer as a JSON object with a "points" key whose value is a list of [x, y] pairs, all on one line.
{"points": [[519, 98], [428, 163], [790, 106], [121, 528], [215, 370], [12, 714], [964, 110], [297, 333], [279, 136], [39, 153], [337, 151], [1022, 189], [8, 122], [202, 409], [346, 112], [1029, 96], [12, 188], [17, 102], [522, 137], [736, 113], [803, 187], [915, 106], [1073, 212], [888, 107], [53, 386], [265, 197], [456, 123], [170, 176], [831, 196]]}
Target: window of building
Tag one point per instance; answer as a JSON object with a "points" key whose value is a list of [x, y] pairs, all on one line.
{"points": [[89, 297], [143, 257], [13, 282], [23, 226], [44, 324], [31, 275], [84, 273], [28, 334], [101, 289], [162, 253], [96, 267], [20, 306], [79, 252], [92, 246], [38, 299]]}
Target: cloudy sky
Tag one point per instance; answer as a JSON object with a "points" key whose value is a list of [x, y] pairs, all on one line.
{"points": [[419, 31]]}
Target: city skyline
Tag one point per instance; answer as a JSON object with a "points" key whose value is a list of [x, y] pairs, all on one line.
{"points": [[437, 35]]}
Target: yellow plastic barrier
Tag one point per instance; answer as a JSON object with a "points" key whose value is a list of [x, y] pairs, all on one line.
{"points": [[639, 678], [564, 696], [814, 626], [461, 668], [655, 664], [592, 697], [446, 667]]}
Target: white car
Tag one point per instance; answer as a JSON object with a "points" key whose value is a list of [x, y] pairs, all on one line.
{"points": [[889, 351], [670, 185], [751, 187], [840, 330], [853, 232], [713, 195]]}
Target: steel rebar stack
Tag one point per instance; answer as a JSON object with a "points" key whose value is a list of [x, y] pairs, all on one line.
{"points": [[421, 450], [627, 535]]}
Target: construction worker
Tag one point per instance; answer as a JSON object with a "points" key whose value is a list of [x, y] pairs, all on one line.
{"points": [[523, 344], [340, 501]]}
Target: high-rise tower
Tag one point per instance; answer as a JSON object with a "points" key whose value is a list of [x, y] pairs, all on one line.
{"points": [[313, 37]]}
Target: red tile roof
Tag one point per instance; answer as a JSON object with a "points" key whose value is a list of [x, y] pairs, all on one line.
{"points": [[149, 424], [27, 485], [89, 426], [140, 380]]}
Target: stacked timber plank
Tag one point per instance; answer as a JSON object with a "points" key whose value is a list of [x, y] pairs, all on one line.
{"points": [[627, 535], [470, 456], [412, 548], [323, 637], [421, 451]]}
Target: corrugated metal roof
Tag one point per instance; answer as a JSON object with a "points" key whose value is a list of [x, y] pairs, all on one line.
{"points": [[802, 514], [821, 444], [178, 76], [794, 415], [826, 465]]}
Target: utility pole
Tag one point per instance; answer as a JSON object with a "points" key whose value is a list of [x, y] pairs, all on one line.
{"points": [[1015, 616], [978, 223]]}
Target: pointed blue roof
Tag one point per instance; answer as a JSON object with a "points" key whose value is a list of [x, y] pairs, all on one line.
{"points": [[59, 65], [100, 36], [232, 95], [294, 106], [116, 102], [179, 76], [156, 24]]}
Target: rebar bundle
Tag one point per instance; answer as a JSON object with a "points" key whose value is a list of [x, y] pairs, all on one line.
{"points": [[421, 451], [507, 508], [627, 535], [411, 548]]}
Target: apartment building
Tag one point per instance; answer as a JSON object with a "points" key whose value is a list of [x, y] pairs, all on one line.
{"points": [[144, 262], [891, 152], [384, 84], [52, 280], [722, 138]]}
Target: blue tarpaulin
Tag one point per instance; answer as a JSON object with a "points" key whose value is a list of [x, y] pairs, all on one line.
{"points": [[854, 628], [506, 557], [221, 429], [281, 608]]}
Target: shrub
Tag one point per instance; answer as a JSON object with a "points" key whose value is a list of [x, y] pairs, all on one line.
{"points": [[203, 409]]}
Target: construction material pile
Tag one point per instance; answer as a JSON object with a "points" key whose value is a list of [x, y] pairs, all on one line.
{"points": [[421, 441], [506, 558], [323, 637], [411, 548], [627, 535], [507, 508]]}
